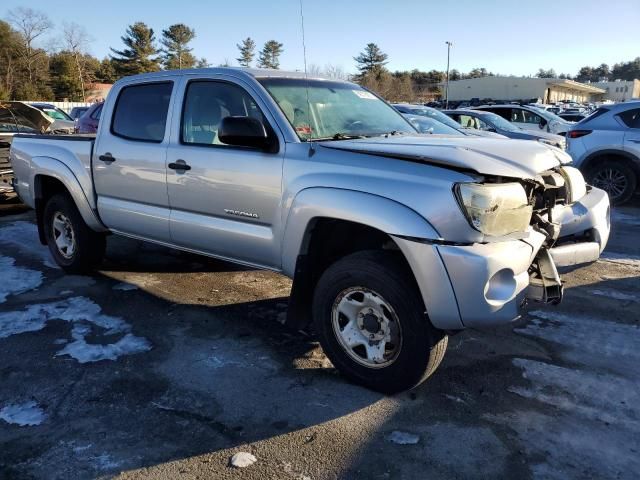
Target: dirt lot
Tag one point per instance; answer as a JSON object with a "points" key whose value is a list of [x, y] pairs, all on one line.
{"points": [[164, 364]]}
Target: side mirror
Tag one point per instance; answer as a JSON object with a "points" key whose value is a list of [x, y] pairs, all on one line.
{"points": [[543, 123], [243, 132], [492, 130]]}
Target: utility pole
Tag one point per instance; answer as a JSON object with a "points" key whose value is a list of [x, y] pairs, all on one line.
{"points": [[449, 45]]}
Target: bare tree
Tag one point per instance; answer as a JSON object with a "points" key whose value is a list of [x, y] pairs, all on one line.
{"points": [[76, 42], [31, 25], [335, 71]]}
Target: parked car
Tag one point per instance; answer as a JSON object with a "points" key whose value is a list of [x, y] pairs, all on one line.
{"points": [[529, 118], [393, 239], [432, 113], [606, 147], [16, 117], [490, 122], [88, 123], [77, 112], [62, 122]]}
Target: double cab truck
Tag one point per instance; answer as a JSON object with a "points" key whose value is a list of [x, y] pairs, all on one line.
{"points": [[394, 240]]}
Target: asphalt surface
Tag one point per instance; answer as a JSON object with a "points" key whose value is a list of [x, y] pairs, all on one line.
{"points": [[165, 364]]}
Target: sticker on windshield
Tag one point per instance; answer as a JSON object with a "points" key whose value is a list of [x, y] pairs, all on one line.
{"points": [[364, 94]]}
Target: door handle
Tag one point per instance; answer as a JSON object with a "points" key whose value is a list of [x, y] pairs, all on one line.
{"points": [[634, 140], [107, 158], [179, 165]]}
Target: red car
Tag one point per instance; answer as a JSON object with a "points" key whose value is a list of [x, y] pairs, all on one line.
{"points": [[88, 122]]}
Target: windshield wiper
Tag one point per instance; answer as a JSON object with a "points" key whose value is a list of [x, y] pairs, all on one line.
{"points": [[337, 136], [346, 136]]}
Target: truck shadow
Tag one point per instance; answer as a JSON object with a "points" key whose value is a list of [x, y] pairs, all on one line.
{"points": [[224, 373]]}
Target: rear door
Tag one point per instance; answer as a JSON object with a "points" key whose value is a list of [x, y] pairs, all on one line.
{"points": [[631, 118], [226, 201], [129, 160]]}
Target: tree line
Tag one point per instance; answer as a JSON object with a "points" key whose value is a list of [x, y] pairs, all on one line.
{"points": [[66, 70]]}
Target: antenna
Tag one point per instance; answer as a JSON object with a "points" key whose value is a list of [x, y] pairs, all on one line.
{"points": [[306, 75]]}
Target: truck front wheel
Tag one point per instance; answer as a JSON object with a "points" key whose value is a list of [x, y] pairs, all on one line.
{"points": [[371, 323], [74, 246]]}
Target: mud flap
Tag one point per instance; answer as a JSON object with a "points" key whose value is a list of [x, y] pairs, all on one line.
{"points": [[544, 283]]}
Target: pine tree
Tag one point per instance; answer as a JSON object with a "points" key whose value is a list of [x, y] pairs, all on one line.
{"points": [[270, 55], [371, 60], [140, 56], [247, 52], [176, 53]]}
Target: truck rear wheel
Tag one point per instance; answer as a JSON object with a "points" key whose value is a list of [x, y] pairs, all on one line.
{"points": [[371, 323], [74, 246]]}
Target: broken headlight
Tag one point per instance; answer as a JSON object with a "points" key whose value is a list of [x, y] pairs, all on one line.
{"points": [[495, 209]]}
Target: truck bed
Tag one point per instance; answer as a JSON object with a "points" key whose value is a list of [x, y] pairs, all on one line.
{"points": [[73, 151]]}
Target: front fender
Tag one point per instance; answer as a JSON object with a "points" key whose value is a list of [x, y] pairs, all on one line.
{"points": [[50, 167], [374, 211]]}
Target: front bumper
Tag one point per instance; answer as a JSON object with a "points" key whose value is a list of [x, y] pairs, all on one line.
{"points": [[486, 284]]}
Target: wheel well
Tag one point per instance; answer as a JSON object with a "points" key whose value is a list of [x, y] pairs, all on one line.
{"points": [[45, 187], [325, 241]]}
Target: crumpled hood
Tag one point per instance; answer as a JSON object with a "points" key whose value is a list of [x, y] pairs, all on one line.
{"points": [[488, 156], [40, 121]]}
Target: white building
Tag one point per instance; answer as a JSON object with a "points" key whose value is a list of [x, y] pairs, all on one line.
{"points": [[527, 89], [619, 90]]}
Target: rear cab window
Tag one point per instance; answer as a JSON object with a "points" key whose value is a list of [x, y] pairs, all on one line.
{"points": [[140, 113]]}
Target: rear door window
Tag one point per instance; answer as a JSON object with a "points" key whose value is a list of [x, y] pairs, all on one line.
{"points": [[141, 112], [631, 118]]}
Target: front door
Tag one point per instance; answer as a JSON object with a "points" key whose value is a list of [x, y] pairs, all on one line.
{"points": [[129, 162], [225, 200]]}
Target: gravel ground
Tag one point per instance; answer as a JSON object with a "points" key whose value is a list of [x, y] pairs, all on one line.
{"points": [[166, 364]]}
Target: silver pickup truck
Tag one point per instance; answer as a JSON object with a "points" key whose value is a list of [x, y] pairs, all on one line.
{"points": [[394, 239]]}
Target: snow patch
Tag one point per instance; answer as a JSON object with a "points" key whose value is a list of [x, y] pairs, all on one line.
{"points": [[590, 409], [104, 462], [24, 236], [621, 259], [243, 460], [16, 280], [23, 414], [403, 438], [616, 295], [85, 316], [589, 341], [124, 286]]}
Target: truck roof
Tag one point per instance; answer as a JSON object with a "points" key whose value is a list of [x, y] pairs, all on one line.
{"points": [[236, 71]]}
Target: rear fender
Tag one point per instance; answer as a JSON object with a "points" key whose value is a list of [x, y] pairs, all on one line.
{"points": [[50, 167]]}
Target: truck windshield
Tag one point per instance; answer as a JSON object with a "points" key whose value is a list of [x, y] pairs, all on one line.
{"points": [[334, 110]]}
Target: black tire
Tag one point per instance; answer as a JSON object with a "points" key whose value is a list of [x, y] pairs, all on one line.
{"points": [[89, 246], [620, 195], [422, 346]]}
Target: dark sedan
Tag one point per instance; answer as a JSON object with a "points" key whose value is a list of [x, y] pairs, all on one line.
{"points": [[88, 122]]}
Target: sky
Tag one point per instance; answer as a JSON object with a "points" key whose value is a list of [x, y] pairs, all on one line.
{"points": [[505, 37]]}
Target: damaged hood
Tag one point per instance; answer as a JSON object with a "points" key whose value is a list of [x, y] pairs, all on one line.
{"points": [[487, 156], [35, 119]]}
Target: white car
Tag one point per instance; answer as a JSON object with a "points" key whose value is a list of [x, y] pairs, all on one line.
{"points": [[530, 118]]}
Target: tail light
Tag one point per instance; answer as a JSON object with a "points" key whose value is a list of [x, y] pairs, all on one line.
{"points": [[578, 133]]}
